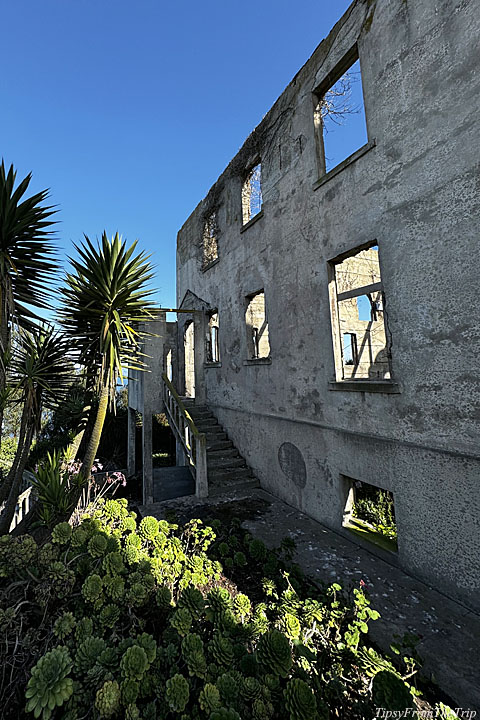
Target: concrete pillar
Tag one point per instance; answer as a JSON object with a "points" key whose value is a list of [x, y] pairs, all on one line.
{"points": [[200, 329], [152, 397], [147, 454], [180, 457], [131, 464]]}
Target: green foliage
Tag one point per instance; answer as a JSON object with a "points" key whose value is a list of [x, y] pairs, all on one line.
{"points": [[7, 453], [107, 700], [107, 337], [274, 652], [299, 700], [134, 662], [49, 685], [390, 691], [64, 625], [178, 691], [375, 506], [167, 633]]}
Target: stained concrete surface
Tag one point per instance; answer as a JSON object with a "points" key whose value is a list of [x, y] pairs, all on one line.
{"points": [[172, 482], [449, 632]]}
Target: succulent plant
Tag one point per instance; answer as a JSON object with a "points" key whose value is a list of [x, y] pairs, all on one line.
{"points": [[274, 652], [148, 528], [49, 685], [181, 620], [257, 550], [113, 509], [87, 653], [97, 545], [250, 688], [192, 600], [114, 587], [291, 626], [113, 563], [84, 629], [197, 664], [109, 615], [134, 662], [191, 643], [313, 611], [299, 700], [219, 600], [62, 533], [222, 650], [242, 606], [132, 712], [64, 625], [92, 588], [148, 643], [163, 597], [390, 692], [228, 685], [128, 524], [129, 689], [223, 549], [107, 699], [177, 692], [240, 559], [137, 595], [109, 658], [224, 714], [262, 710], [79, 537], [209, 698]]}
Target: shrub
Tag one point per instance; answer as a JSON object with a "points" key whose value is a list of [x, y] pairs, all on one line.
{"points": [[149, 626]]}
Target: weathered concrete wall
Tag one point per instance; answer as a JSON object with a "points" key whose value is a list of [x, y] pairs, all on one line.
{"points": [[416, 194]]}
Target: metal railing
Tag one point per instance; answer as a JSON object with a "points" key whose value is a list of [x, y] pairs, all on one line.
{"points": [[194, 442]]}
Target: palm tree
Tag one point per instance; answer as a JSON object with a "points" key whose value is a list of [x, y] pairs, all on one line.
{"points": [[27, 262], [42, 374], [103, 301]]}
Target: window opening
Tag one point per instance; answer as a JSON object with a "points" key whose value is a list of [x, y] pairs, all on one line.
{"points": [[213, 352], [252, 194], [339, 116], [370, 514], [364, 353], [350, 349], [257, 326], [210, 242]]}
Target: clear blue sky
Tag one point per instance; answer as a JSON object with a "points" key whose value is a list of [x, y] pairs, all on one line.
{"points": [[129, 111]]}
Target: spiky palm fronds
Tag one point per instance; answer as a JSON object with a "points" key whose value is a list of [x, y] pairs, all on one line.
{"points": [[27, 258], [103, 299]]}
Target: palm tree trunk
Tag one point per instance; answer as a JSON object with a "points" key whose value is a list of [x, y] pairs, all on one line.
{"points": [[6, 485], [9, 510], [94, 440]]}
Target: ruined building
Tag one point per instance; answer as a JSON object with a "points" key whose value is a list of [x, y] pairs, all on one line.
{"points": [[332, 291]]}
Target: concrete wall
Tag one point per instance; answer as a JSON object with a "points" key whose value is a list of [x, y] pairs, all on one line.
{"points": [[413, 191]]}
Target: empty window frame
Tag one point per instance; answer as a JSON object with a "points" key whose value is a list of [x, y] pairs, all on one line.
{"points": [[370, 513], [252, 193], [339, 115], [213, 348], [362, 351], [258, 343], [210, 240]]}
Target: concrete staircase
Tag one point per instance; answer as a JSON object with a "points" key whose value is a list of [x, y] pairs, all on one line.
{"points": [[226, 468]]}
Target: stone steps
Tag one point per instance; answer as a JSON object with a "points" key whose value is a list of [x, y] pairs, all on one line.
{"points": [[226, 468]]}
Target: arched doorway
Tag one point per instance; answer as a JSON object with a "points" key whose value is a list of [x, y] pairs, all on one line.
{"points": [[189, 360]]}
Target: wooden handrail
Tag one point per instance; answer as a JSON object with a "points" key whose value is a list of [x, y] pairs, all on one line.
{"points": [[193, 441], [180, 404]]}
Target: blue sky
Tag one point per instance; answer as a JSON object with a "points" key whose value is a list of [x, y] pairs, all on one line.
{"points": [[128, 112]]}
